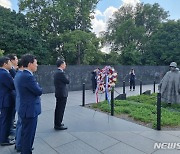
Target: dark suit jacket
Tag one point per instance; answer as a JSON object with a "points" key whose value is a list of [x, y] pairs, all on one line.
{"points": [[60, 82], [12, 71], [16, 80], [29, 92], [6, 89]]}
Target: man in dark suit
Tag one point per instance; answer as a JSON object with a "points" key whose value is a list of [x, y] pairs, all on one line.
{"points": [[61, 94], [30, 104], [19, 121], [6, 99], [14, 63]]}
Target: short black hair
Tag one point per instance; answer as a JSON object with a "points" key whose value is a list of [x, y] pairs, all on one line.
{"points": [[12, 56], [59, 62], [26, 59], [3, 60], [20, 64]]}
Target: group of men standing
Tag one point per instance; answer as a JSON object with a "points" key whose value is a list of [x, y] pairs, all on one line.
{"points": [[20, 92]]}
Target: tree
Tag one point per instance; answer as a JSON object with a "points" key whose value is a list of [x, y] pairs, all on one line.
{"points": [[80, 47], [111, 58], [57, 16], [149, 16], [131, 29], [130, 55], [163, 48], [54, 18], [16, 36]]}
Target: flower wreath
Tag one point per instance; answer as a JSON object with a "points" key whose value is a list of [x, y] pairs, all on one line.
{"points": [[106, 79]]}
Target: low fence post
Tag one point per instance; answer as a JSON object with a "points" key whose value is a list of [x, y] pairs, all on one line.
{"points": [[154, 86], [159, 111], [140, 87], [112, 101], [124, 90], [83, 95], [105, 95], [105, 89]]}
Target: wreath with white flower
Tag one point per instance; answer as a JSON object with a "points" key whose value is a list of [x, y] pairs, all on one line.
{"points": [[106, 79]]}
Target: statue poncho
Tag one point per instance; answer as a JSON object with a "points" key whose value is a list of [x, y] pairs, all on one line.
{"points": [[170, 87]]}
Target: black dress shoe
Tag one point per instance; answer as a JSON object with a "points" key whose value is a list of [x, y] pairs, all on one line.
{"points": [[59, 125], [10, 142], [19, 150], [60, 128]]}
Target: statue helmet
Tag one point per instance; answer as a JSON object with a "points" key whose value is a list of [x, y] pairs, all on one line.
{"points": [[173, 64]]}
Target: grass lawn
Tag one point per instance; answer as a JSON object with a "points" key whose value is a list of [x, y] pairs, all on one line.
{"points": [[142, 109]]}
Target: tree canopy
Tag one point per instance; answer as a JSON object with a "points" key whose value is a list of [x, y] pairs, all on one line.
{"points": [[16, 36], [65, 25], [140, 35], [131, 30], [164, 46]]}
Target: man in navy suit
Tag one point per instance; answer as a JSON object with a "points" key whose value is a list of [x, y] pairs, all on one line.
{"points": [[19, 123], [30, 104], [61, 94], [6, 99], [14, 62]]}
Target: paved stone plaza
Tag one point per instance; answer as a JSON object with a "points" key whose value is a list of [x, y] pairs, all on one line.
{"points": [[92, 132]]}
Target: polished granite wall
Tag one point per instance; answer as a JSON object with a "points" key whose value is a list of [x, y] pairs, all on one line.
{"points": [[79, 74]]}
